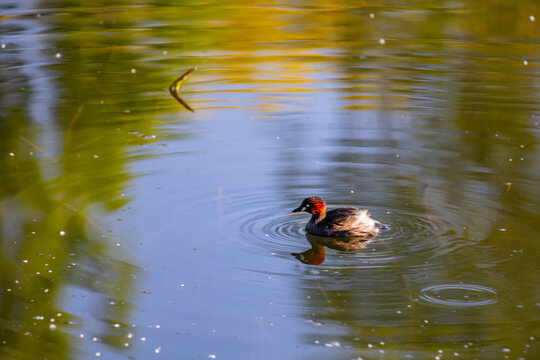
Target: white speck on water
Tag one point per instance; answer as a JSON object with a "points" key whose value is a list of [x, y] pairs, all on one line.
{"points": [[46, 291], [212, 356], [62, 233], [352, 191], [126, 344], [3, 46], [398, 312], [437, 357], [130, 335], [95, 339], [58, 55], [182, 285], [531, 338], [277, 137], [525, 62], [25, 261], [133, 71], [426, 321], [81, 336], [116, 325], [52, 326], [11, 154], [382, 343], [532, 18], [370, 345], [372, 16], [165, 52], [501, 229], [382, 351], [158, 326], [505, 350], [157, 350], [98, 354], [143, 338], [266, 235], [510, 159], [456, 354], [397, 155], [382, 41], [96, 156], [440, 351]]}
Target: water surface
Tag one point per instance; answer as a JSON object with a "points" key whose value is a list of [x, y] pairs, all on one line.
{"points": [[134, 228]]}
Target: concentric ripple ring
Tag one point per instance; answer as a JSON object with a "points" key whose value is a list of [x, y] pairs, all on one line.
{"points": [[459, 295]]}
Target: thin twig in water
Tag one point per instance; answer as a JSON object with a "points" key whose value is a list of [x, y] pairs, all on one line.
{"points": [[174, 89]]}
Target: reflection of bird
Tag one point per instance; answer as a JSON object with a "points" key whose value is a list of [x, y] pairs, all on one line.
{"points": [[315, 255], [341, 222]]}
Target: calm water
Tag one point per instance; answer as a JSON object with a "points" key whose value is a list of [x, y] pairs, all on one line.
{"points": [[133, 228]]}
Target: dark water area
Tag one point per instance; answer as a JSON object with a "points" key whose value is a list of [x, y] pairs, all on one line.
{"points": [[132, 228]]}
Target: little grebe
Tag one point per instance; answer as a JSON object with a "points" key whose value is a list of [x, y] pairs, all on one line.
{"points": [[342, 222]]}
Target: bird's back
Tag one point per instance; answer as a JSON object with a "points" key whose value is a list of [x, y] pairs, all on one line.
{"points": [[345, 222]]}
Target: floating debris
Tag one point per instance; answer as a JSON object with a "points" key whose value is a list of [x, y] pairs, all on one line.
{"points": [[174, 89]]}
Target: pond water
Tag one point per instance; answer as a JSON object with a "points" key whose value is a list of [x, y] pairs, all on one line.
{"points": [[134, 228]]}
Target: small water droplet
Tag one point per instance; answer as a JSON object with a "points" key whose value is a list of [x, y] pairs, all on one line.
{"points": [[532, 18], [133, 71], [382, 41]]}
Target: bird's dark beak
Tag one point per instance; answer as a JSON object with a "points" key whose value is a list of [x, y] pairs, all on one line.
{"points": [[300, 208]]}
